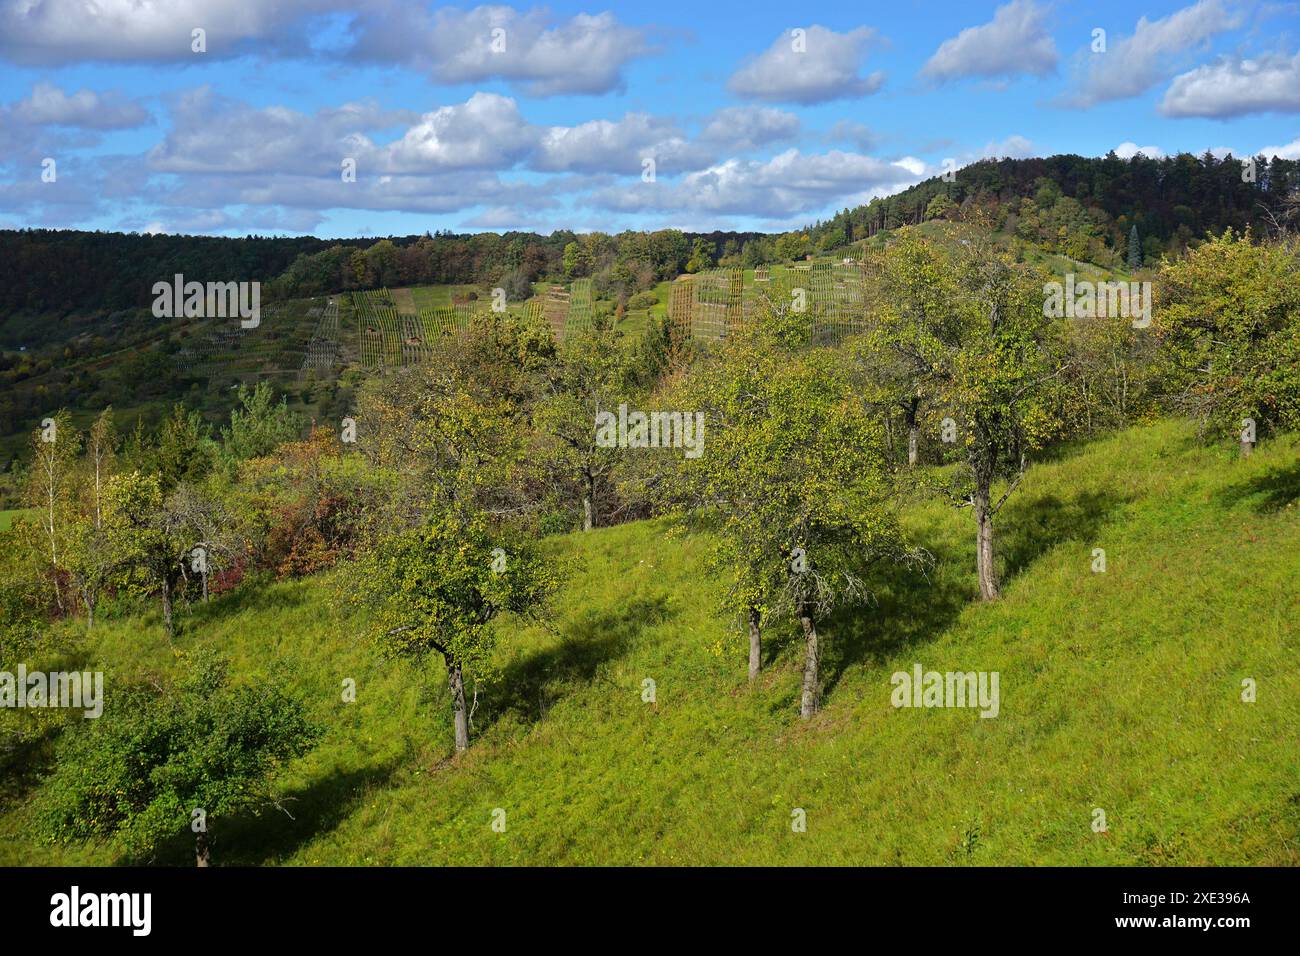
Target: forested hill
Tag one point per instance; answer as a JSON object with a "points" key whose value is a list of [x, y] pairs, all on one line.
{"points": [[1088, 207], [55, 271], [1085, 208]]}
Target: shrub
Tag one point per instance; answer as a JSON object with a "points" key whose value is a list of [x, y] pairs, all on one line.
{"points": [[141, 771]]}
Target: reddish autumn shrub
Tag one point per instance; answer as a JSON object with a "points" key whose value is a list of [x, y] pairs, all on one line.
{"points": [[309, 505]]}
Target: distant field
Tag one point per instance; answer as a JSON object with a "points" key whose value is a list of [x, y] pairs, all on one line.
{"points": [[435, 296], [7, 517], [636, 321], [404, 301]]}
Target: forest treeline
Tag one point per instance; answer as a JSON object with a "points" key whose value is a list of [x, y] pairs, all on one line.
{"points": [[56, 272], [1089, 208], [1107, 210], [1093, 209]]}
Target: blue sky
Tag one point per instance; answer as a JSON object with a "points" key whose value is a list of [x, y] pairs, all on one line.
{"points": [[756, 115]]}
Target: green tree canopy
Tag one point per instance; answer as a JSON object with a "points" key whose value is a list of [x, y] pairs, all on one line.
{"points": [[794, 482], [140, 771], [258, 424], [1229, 319], [442, 588]]}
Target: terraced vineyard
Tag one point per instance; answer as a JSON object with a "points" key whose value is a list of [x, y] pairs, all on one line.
{"points": [[382, 328], [289, 337], [440, 321], [706, 305], [378, 329], [373, 329], [324, 350], [581, 307], [389, 334]]}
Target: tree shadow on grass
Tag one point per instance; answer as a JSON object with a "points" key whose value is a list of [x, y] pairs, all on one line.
{"points": [[1033, 525], [529, 685], [25, 757], [1268, 492], [29, 739], [193, 616], [911, 608], [259, 597], [270, 834]]}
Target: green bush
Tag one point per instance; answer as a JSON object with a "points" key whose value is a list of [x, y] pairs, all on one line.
{"points": [[139, 772]]}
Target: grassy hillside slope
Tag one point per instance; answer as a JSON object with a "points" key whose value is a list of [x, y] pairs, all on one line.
{"points": [[1119, 690]]}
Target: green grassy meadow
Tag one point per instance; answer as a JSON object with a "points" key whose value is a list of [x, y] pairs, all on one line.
{"points": [[1120, 690], [438, 296], [7, 518]]}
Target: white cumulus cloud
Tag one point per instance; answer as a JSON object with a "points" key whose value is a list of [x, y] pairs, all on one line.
{"points": [[1231, 86], [813, 65], [39, 32], [583, 54], [212, 134], [1135, 63], [789, 184], [1127, 150], [1290, 151], [1014, 42], [485, 132], [49, 105]]}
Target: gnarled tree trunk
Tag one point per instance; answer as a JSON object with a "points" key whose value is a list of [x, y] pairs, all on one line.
{"points": [[988, 574], [812, 659], [457, 681], [202, 857]]}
